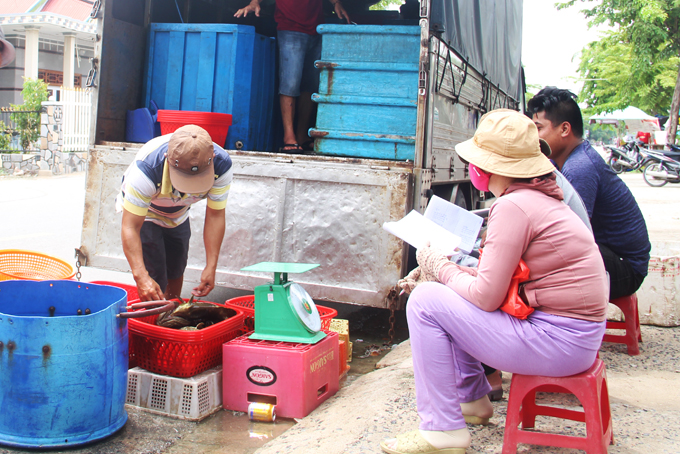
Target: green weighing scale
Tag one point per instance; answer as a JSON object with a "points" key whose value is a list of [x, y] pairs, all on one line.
{"points": [[284, 311]]}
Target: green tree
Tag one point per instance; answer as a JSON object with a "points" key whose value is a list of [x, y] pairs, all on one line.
{"points": [[383, 4], [601, 133], [5, 136], [652, 30], [33, 93], [610, 83]]}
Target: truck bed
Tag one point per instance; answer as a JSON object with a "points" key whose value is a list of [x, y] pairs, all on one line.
{"points": [[286, 208]]}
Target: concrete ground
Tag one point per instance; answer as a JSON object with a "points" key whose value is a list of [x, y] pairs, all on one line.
{"points": [[45, 214]]}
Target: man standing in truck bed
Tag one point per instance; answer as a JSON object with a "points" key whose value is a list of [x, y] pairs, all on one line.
{"points": [[169, 174], [299, 46]]}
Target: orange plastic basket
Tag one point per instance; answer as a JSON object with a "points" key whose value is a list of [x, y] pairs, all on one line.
{"points": [[32, 266], [247, 305]]}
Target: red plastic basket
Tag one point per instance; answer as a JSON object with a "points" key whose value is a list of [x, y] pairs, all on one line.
{"points": [[179, 353], [130, 289], [247, 305], [217, 124]]}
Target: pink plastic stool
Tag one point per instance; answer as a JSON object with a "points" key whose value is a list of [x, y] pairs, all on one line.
{"points": [[631, 323], [590, 387]]}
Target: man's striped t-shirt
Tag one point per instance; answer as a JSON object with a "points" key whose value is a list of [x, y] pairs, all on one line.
{"points": [[147, 191]]}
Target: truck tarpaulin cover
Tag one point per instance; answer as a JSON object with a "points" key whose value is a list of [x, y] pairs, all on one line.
{"points": [[488, 34]]}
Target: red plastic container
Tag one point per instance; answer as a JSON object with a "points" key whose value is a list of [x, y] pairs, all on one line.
{"points": [[130, 289], [296, 378], [217, 124], [247, 305], [179, 353]]}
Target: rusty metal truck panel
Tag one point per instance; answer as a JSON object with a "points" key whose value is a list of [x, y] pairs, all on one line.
{"points": [[302, 210]]}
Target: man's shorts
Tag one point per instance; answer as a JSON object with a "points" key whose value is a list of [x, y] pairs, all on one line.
{"points": [[623, 279], [165, 251], [297, 54]]}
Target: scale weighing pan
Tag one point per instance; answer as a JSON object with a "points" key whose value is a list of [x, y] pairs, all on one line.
{"points": [[284, 311]]}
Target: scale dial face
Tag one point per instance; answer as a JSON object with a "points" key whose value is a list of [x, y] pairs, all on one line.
{"points": [[304, 308]]}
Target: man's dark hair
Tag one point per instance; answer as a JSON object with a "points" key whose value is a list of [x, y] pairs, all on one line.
{"points": [[559, 106]]}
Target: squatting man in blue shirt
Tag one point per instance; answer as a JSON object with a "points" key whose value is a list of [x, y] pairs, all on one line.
{"points": [[618, 225]]}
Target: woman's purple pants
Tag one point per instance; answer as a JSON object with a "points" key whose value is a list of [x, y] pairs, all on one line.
{"points": [[451, 337]]}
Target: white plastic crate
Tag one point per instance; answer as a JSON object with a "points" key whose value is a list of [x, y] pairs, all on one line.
{"points": [[193, 398]]}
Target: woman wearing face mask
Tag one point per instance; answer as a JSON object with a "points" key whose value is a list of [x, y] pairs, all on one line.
{"points": [[455, 323]]}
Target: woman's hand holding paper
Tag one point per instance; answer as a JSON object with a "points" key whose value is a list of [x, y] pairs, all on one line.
{"points": [[431, 260]]}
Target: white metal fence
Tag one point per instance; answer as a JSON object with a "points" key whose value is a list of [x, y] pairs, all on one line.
{"points": [[77, 117]]}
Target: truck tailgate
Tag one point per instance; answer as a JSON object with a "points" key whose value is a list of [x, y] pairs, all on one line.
{"points": [[282, 208]]}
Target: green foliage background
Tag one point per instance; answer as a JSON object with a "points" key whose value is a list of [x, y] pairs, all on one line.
{"points": [[5, 137], [638, 63], [383, 4], [33, 93]]}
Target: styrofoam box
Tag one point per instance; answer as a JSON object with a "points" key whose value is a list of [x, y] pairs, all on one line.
{"points": [[193, 398], [659, 294]]}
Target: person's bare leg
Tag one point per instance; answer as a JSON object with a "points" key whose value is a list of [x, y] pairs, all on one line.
{"points": [[287, 115], [305, 111], [174, 289]]}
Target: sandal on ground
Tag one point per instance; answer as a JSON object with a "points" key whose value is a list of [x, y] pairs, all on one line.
{"points": [[414, 443], [476, 420], [290, 148], [476, 409]]}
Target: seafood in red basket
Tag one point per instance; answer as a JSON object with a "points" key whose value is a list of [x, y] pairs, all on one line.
{"points": [[194, 315]]}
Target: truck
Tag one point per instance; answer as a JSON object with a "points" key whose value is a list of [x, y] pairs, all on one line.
{"points": [[320, 208]]}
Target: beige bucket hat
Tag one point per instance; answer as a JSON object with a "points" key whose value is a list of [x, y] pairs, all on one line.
{"points": [[506, 143]]}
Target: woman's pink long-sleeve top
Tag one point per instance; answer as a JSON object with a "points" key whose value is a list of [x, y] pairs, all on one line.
{"points": [[529, 221]]}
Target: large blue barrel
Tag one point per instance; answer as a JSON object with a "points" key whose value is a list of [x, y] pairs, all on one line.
{"points": [[63, 376], [368, 91]]}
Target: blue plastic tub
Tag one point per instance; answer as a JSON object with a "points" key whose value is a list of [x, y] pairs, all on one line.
{"points": [[63, 377], [368, 91], [215, 68]]}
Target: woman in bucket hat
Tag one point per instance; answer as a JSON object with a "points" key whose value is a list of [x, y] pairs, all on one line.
{"points": [[455, 322]]}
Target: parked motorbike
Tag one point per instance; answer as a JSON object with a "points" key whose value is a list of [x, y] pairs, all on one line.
{"points": [[632, 156], [662, 168]]}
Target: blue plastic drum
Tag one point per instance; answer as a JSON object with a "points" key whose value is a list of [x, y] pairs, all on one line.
{"points": [[63, 363]]}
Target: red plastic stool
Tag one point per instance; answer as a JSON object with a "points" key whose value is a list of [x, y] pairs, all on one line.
{"points": [[590, 387], [631, 323]]}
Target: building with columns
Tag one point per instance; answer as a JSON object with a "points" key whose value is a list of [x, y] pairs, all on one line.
{"points": [[54, 41]]}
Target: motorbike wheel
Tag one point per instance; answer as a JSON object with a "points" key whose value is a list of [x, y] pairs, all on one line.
{"points": [[650, 180], [615, 165]]}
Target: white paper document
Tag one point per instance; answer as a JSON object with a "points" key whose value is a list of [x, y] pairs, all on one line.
{"points": [[417, 230], [456, 220]]}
